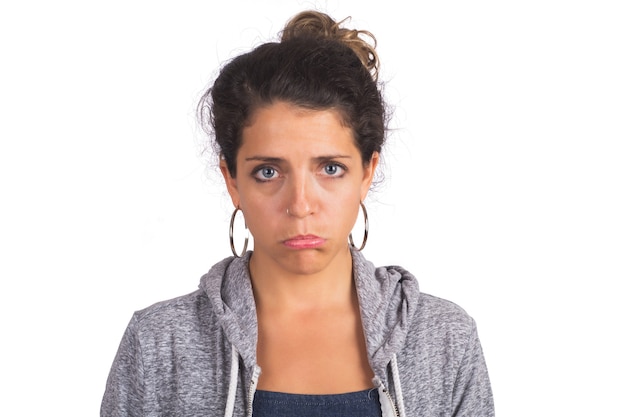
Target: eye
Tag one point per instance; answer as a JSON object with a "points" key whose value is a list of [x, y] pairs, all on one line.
{"points": [[333, 169], [265, 174]]}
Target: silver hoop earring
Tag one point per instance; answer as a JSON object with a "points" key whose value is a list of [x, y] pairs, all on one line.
{"points": [[230, 234], [365, 232]]}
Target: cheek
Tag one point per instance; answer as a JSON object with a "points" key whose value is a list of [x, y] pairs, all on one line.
{"points": [[352, 193], [344, 206], [261, 213]]}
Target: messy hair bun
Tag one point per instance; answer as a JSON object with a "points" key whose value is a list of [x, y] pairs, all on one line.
{"points": [[317, 65], [317, 24]]}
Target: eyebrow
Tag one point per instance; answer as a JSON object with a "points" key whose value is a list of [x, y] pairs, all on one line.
{"points": [[275, 160]]}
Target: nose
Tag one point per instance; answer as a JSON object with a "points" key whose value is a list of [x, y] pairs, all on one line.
{"points": [[301, 196]]}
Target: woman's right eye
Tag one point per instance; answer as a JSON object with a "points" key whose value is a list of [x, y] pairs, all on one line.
{"points": [[265, 174]]}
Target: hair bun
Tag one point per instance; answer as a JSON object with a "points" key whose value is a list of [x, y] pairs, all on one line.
{"points": [[317, 24]]}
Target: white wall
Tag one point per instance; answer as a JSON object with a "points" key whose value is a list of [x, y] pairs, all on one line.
{"points": [[505, 191]]}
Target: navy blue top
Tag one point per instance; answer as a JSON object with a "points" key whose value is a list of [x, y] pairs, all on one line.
{"points": [[354, 404]]}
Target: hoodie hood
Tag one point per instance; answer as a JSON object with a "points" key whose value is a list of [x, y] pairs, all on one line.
{"points": [[229, 289], [388, 298]]}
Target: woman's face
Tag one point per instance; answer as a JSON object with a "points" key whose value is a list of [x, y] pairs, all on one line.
{"points": [[300, 179]]}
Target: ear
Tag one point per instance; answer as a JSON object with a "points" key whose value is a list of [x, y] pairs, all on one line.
{"points": [[368, 174], [231, 183]]}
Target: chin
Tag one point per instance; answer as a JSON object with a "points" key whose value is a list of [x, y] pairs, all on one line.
{"points": [[305, 262], [309, 261]]}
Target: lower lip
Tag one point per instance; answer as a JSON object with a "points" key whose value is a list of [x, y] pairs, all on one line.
{"points": [[305, 242]]}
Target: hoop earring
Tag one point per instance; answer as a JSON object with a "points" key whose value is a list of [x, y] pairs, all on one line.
{"points": [[230, 235], [366, 231]]}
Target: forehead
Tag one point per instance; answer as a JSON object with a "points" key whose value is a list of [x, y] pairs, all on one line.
{"points": [[282, 124]]}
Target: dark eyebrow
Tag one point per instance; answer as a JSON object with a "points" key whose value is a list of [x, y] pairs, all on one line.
{"points": [[265, 159], [325, 158], [275, 160]]}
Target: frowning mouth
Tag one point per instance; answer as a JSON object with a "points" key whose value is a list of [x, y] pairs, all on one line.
{"points": [[304, 242]]}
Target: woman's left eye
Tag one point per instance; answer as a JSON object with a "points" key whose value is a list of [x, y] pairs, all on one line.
{"points": [[264, 174], [333, 169]]}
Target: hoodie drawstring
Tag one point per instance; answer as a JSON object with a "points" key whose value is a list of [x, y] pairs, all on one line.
{"points": [[395, 373], [234, 378], [232, 386]]}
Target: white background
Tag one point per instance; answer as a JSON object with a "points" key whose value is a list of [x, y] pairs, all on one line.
{"points": [[505, 186]]}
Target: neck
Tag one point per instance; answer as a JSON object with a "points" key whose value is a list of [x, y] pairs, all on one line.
{"points": [[277, 288]]}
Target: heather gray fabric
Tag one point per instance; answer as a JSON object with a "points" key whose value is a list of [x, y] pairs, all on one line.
{"points": [[175, 356]]}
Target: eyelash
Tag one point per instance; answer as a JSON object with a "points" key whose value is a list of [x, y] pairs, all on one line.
{"points": [[257, 171], [342, 169]]}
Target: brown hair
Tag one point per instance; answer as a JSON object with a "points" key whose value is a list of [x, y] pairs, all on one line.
{"points": [[312, 23], [317, 65]]}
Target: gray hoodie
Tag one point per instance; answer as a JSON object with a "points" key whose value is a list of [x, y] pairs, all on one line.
{"points": [[196, 355]]}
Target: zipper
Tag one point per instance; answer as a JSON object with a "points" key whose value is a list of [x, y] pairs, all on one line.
{"points": [[255, 378], [396, 412]]}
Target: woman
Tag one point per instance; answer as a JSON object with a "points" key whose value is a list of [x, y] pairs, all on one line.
{"points": [[303, 325]]}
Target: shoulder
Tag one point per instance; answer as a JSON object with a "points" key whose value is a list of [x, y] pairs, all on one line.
{"points": [[170, 315], [442, 325], [439, 311]]}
